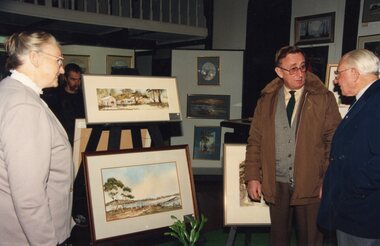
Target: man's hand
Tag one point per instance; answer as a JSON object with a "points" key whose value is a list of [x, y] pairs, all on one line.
{"points": [[254, 190]]}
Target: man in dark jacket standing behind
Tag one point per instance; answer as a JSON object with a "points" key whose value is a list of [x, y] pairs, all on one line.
{"points": [[288, 148], [351, 189]]}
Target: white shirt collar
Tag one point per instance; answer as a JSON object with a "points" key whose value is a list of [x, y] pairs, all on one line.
{"points": [[25, 80]]}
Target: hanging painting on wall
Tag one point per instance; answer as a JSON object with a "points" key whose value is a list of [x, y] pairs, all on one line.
{"points": [[371, 10], [314, 29]]}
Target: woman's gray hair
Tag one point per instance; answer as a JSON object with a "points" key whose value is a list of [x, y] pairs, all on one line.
{"points": [[20, 44], [365, 61]]}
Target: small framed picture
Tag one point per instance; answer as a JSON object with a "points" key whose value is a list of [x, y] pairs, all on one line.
{"points": [[208, 70], [371, 11], [371, 43], [239, 209], [207, 142], [135, 191], [314, 29], [81, 60], [116, 64], [208, 106]]}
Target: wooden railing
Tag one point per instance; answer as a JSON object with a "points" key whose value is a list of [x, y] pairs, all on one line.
{"points": [[182, 12]]}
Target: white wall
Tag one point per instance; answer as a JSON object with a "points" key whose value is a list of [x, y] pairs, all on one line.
{"points": [[97, 62], [230, 21]]}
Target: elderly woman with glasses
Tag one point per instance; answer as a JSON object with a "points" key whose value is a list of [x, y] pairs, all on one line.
{"points": [[36, 169]]}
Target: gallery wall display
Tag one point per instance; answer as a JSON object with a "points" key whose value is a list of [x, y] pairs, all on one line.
{"points": [[206, 142], [371, 11], [208, 106], [81, 60], [238, 208], [122, 99], [134, 191], [314, 29], [371, 42], [208, 70]]}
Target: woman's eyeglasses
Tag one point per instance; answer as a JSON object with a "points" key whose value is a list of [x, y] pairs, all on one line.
{"points": [[59, 58]]}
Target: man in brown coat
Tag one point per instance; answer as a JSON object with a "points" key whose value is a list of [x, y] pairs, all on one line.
{"points": [[288, 148]]}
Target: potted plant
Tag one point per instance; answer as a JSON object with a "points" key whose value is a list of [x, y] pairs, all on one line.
{"points": [[180, 229]]}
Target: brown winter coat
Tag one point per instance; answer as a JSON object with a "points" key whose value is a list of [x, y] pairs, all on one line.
{"points": [[317, 119]]}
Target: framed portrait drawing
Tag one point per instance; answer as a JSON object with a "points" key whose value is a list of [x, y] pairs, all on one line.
{"points": [[118, 64], [371, 11], [208, 106], [122, 99], [371, 42], [133, 191], [81, 60], [238, 208], [208, 69], [314, 29], [206, 142]]}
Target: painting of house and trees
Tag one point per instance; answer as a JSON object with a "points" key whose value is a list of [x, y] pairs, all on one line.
{"points": [[131, 99], [140, 190]]}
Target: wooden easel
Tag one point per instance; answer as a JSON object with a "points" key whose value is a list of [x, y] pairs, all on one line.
{"points": [[80, 198]]}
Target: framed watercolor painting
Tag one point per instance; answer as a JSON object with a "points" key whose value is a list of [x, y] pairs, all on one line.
{"points": [[134, 191], [123, 99], [238, 208], [118, 64], [207, 142], [208, 106]]}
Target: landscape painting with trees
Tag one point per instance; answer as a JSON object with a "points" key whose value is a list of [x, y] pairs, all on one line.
{"points": [[140, 190], [131, 99]]}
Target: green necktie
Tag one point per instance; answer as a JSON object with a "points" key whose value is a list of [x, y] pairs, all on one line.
{"points": [[290, 106]]}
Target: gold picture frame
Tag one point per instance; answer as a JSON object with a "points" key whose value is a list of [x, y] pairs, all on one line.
{"points": [[118, 62]]}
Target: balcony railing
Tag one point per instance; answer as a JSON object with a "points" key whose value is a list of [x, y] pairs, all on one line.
{"points": [[182, 12]]}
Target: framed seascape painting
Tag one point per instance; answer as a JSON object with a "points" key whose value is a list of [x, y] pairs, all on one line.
{"points": [[208, 106], [238, 208], [124, 99], [134, 191], [208, 69], [314, 29], [207, 142]]}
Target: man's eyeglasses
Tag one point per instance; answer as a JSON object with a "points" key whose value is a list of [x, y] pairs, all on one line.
{"points": [[294, 70], [59, 58], [337, 72]]}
